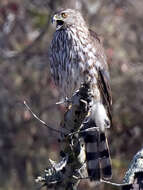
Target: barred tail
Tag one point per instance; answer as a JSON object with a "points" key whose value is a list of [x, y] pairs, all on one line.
{"points": [[105, 159], [92, 155], [97, 155]]}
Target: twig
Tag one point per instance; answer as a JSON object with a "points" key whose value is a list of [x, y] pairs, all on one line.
{"points": [[83, 131], [63, 101], [41, 121], [114, 184], [104, 181]]}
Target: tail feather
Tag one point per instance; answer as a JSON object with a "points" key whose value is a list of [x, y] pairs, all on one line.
{"points": [[97, 155], [105, 160], [92, 155]]}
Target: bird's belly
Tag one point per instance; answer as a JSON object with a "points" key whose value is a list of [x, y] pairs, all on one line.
{"points": [[72, 64]]}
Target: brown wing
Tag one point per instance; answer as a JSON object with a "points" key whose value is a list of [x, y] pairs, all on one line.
{"points": [[103, 74], [95, 35], [103, 83]]}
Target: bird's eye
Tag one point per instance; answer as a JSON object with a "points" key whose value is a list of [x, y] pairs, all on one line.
{"points": [[64, 15]]}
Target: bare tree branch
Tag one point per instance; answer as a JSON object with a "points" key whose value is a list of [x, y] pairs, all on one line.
{"points": [[41, 121]]}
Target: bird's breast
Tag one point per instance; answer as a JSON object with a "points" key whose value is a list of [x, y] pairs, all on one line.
{"points": [[71, 56]]}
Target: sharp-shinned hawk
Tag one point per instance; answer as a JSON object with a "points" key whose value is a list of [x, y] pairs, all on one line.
{"points": [[77, 56]]}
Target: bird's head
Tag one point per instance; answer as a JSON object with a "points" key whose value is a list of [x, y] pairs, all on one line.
{"points": [[67, 17]]}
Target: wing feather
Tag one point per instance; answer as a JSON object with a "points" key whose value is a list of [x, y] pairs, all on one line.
{"points": [[103, 73], [105, 90]]}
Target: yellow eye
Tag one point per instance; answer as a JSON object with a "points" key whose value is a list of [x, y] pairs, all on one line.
{"points": [[64, 15]]}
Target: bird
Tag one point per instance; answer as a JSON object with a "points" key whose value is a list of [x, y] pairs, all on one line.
{"points": [[77, 56]]}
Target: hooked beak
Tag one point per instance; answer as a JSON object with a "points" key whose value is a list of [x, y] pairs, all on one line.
{"points": [[54, 19], [58, 20]]}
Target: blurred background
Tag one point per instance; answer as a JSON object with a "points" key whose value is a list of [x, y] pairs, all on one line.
{"points": [[25, 33]]}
